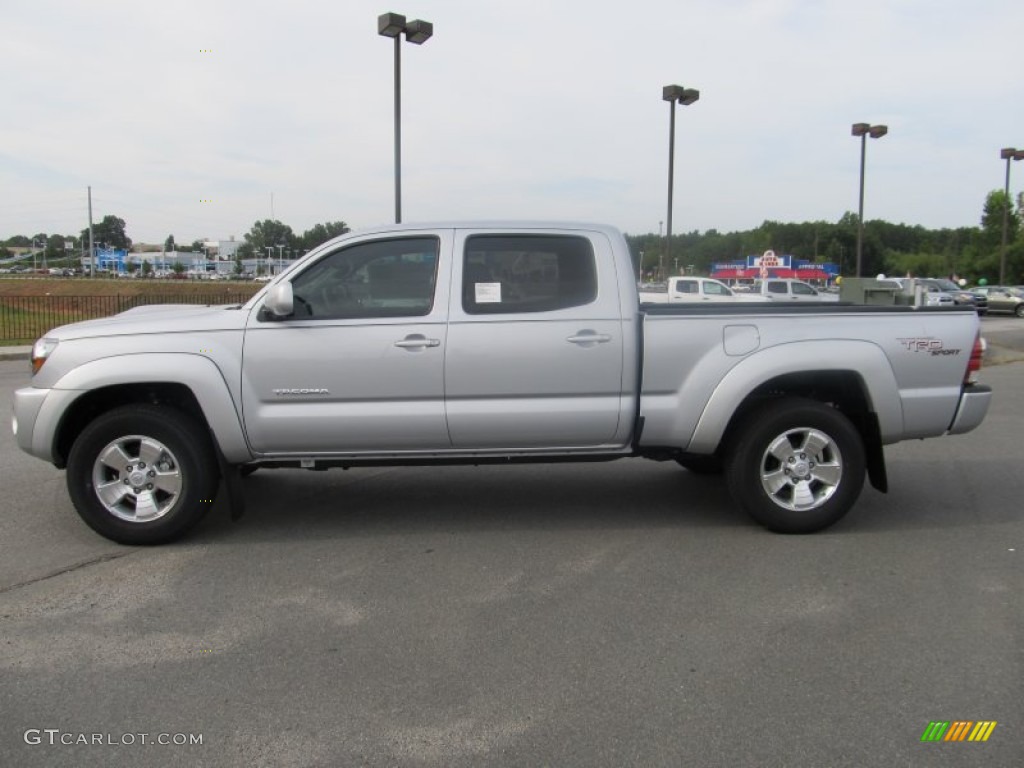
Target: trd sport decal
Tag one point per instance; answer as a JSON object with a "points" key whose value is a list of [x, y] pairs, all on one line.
{"points": [[928, 345]]}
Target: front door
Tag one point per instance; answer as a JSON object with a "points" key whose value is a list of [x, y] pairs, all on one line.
{"points": [[359, 366]]}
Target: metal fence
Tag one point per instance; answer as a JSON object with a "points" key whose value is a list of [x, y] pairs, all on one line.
{"points": [[26, 318]]}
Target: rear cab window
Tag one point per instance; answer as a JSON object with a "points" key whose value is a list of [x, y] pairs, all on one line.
{"points": [[513, 274]]}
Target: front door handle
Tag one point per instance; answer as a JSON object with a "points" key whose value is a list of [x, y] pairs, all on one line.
{"points": [[417, 341], [588, 338]]}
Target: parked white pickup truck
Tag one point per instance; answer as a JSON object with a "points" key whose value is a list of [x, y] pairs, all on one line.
{"points": [[476, 343], [689, 289], [788, 289]]}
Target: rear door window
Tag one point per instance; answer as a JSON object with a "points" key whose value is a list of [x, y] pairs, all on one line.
{"points": [[505, 274]]}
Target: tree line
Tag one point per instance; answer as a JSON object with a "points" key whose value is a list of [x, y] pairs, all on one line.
{"points": [[111, 232], [894, 249]]}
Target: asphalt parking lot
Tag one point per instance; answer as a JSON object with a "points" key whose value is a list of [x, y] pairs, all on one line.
{"points": [[566, 615]]}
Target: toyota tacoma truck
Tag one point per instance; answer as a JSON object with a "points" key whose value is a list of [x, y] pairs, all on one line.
{"points": [[487, 342]]}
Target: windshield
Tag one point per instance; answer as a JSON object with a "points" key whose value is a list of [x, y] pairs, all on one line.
{"points": [[947, 285]]}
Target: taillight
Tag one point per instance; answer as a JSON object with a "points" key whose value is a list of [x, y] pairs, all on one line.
{"points": [[974, 364]]}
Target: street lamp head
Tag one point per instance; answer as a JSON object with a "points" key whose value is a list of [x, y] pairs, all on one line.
{"points": [[390, 24], [393, 25], [874, 131], [1009, 153], [685, 96], [418, 31]]}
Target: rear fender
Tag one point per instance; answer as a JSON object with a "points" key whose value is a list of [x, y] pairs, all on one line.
{"points": [[864, 360]]}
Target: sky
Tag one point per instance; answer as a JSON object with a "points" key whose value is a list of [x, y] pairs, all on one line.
{"points": [[198, 118]]}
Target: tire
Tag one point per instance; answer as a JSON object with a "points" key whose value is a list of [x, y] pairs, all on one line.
{"points": [[1019, 310], [701, 465], [142, 474], [797, 467]]}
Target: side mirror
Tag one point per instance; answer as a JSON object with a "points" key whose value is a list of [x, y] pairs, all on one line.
{"points": [[279, 302]]}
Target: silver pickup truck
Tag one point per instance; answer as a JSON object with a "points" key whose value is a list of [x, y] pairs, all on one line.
{"points": [[480, 342]]}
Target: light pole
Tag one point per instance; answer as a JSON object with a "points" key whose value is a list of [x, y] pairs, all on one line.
{"points": [[1007, 154], [270, 258], [416, 31], [875, 132], [686, 97]]}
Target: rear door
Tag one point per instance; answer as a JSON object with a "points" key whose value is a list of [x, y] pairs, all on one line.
{"points": [[535, 342]]}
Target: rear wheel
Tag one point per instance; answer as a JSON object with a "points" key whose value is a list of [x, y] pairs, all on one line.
{"points": [[1019, 311], [142, 474], [797, 467]]}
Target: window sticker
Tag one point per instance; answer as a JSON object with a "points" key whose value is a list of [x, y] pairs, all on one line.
{"points": [[487, 293]]}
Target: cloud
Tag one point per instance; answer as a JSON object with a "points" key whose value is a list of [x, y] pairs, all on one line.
{"points": [[513, 109]]}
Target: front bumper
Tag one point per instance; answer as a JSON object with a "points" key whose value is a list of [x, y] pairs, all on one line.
{"points": [[971, 411], [37, 414], [27, 403]]}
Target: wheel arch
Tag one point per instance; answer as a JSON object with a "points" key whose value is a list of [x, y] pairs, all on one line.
{"points": [[843, 390], [189, 383]]}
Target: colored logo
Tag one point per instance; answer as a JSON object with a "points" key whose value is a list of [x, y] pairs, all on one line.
{"points": [[958, 730]]}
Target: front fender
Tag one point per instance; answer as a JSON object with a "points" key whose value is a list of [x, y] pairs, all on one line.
{"points": [[196, 372], [864, 359]]}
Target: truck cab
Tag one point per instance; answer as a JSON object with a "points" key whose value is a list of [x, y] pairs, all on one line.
{"points": [[690, 289], [788, 289]]}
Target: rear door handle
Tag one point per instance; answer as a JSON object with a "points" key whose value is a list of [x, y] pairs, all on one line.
{"points": [[588, 338], [416, 341]]}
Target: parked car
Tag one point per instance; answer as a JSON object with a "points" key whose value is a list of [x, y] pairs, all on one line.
{"points": [[933, 297], [1002, 298], [961, 296]]}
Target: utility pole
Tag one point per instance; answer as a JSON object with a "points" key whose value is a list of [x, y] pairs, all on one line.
{"points": [[92, 246]]}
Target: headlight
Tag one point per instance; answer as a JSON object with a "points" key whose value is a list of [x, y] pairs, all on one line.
{"points": [[40, 352]]}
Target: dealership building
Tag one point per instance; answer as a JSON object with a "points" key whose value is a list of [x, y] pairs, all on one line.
{"points": [[770, 265]]}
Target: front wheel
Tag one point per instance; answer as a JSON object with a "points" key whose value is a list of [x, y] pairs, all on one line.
{"points": [[797, 467], [1019, 310], [142, 474]]}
